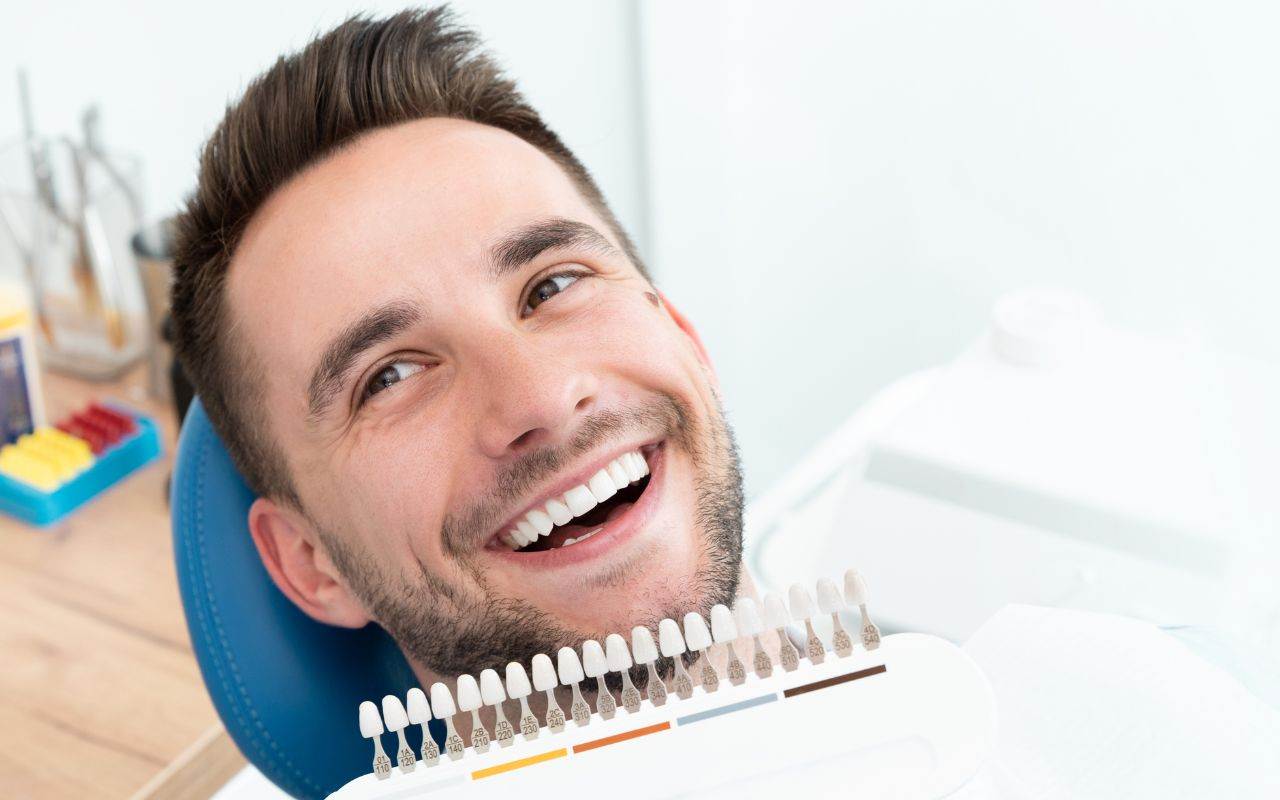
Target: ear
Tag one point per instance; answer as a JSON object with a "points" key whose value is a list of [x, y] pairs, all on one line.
{"points": [[683, 323], [300, 567]]}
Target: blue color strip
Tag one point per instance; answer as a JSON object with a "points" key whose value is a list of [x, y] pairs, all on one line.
{"points": [[729, 709]]}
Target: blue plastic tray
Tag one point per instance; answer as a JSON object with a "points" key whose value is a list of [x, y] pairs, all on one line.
{"points": [[117, 462]]}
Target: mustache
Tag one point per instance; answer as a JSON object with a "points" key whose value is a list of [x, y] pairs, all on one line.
{"points": [[665, 415]]}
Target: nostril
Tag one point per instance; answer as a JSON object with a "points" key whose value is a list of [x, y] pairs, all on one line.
{"points": [[583, 404], [523, 438]]}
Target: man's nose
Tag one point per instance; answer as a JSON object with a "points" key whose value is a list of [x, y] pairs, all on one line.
{"points": [[531, 397]]}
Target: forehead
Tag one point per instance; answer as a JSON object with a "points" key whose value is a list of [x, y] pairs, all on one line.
{"points": [[393, 214]]}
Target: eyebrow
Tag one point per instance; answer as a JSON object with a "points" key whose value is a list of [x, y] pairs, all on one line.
{"points": [[370, 330], [525, 244]]}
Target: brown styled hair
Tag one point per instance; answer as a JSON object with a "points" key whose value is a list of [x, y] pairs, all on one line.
{"points": [[363, 75]]}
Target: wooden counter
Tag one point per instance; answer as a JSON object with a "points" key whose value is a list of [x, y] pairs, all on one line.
{"points": [[99, 691]]}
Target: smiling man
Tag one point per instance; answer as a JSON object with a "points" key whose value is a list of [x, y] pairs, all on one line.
{"points": [[433, 352]]}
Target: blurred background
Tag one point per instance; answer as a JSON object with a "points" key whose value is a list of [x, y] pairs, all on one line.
{"points": [[989, 286]]}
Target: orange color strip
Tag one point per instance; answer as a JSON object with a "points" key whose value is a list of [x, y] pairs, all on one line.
{"points": [[621, 737], [517, 764]]}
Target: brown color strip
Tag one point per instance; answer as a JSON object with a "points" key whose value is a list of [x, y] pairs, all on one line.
{"points": [[836, 681]]}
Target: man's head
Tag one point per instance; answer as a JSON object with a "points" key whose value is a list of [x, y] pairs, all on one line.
{"points": [[421, 333]]}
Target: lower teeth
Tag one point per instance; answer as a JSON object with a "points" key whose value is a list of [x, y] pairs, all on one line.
{"points": [[581, 538]]}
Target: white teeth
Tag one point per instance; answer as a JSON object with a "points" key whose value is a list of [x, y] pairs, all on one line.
{"points": [[527, 530], [582, 538], [601, 486], [618, 474], [579, 500], [623, 471], [629, 465], [558, 512], [541, 521]]}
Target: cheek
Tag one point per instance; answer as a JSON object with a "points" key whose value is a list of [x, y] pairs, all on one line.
{"points": [[380, 495], [636, 336], [655, 353]]}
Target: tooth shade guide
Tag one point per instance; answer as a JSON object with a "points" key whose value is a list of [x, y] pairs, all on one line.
{"points": [[724, 630], [698, 639], [776, 617], [419, 714], [620, 661], [630, 694], [822, 701], [528, 722], [826, 719], [555, 715], [397, 719], [371, 728], [747, 618], [655, 689], [802, 609], [855, 593]]}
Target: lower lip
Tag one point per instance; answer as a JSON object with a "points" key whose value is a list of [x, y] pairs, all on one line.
{"points": [[615, 532]]}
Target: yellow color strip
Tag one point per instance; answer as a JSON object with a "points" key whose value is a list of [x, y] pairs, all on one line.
{"points": [[523, 762]]}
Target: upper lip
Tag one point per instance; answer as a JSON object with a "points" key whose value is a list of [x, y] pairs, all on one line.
{"points": [[566, 481]]}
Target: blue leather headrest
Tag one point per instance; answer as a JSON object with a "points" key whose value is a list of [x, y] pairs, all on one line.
{"points": [[287, 687]]}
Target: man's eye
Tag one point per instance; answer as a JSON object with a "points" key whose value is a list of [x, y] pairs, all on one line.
{"points": [[547, 289], [391, 374]]}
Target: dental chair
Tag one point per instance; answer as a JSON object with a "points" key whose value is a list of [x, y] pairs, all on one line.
{"points": [[286, 687]]}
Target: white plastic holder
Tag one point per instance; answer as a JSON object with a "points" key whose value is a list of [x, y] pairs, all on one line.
{"points": [[920, 721]]}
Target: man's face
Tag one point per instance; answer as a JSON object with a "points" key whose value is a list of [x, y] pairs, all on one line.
{"points": [[452, 350]]}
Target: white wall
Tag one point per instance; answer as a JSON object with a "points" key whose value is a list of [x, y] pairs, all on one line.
{"points": [[164, 71], [834, 192], [839, 190]]}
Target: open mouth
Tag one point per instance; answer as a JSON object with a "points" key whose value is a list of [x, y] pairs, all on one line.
{"points": [[582, 512]]}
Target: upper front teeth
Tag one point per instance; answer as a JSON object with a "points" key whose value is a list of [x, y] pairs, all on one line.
{"points": [[617, 474]]}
